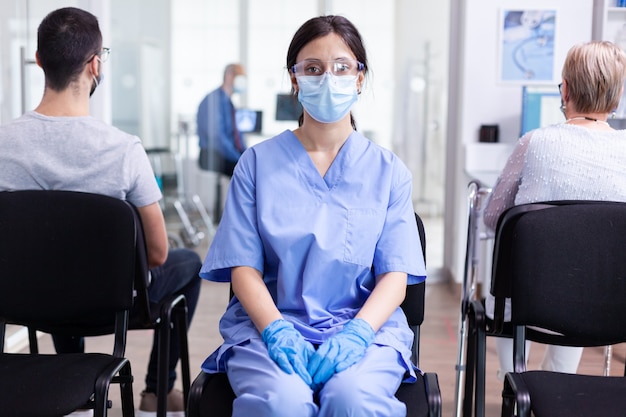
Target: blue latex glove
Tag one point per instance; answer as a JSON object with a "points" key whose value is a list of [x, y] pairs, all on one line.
{"points": [[288, 348], [341, 351]]}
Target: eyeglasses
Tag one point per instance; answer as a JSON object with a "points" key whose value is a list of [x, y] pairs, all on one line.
{"points": [[103, 55], [317, 68], [560, 87]]}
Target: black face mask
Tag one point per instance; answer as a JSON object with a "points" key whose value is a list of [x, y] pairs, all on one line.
{"points": [[96, 82]]}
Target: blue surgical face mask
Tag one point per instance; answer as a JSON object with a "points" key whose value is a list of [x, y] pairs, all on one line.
{"points": [[239, 84], [327, 98]]}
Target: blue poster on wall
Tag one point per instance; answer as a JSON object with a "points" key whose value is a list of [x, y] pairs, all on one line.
{"points": [[527, 46]]}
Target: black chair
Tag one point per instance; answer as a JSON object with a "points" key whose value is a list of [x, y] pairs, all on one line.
{"points": [[567, 276], [471, 401], [212, 396], [66, 258], [161, 317]]}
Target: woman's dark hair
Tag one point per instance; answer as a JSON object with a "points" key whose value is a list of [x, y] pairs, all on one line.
{"points": [[67, 39], [318, 27]]}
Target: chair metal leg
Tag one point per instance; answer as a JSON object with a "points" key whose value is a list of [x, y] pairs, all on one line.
{"points": [[174, 314], [180, 312], [162, 364], [470, 371], [481, 363], [508, 400], [114, 374], [101, 396], [476, 353], [126, 391]]}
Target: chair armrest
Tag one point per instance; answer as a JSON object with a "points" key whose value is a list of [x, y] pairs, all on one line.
{"points": [[433, 394], [172, 302], [515, 396], [476, 315]]}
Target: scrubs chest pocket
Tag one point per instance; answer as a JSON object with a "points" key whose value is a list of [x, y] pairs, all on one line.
{"points": [[362, 233]]}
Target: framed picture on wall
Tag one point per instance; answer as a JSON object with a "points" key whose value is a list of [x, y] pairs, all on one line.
{"points": [[527, 46]]}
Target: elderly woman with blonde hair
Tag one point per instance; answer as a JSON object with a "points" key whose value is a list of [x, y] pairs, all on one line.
{"points": [[582, 158]]}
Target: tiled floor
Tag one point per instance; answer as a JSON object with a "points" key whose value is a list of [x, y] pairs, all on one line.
{"points": [[438, 338]]}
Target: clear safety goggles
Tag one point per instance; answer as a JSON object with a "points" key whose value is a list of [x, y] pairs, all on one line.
{"points": [[318, 68]]}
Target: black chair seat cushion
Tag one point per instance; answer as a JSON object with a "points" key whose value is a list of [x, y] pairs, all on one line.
{"points": [[217, 391], [217, 396], [556, 394], [63, 382], [414, 397]]}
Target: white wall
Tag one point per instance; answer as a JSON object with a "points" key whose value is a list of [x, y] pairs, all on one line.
{"points": [[19, 21], [476, 97]]}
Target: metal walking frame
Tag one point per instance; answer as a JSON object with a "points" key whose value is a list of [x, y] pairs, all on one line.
{"points": [[477, 195]]}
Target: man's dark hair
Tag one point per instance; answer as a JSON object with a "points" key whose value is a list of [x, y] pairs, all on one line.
{"points": [[67, 39]]}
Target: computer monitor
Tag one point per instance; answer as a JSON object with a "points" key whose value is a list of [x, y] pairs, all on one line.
{"points": [[249, 121], [541, 106], [287, 107]]}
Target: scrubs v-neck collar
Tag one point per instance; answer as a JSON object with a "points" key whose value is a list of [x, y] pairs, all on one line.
{"points": [[336, 170]]}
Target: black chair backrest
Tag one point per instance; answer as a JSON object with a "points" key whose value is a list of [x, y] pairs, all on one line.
{"points": [[66, 258], [413, 304], [142, 306], [564, 254]]}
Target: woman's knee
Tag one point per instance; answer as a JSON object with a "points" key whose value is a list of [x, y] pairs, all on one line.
{"points": [[359, 397], [279, 400]]}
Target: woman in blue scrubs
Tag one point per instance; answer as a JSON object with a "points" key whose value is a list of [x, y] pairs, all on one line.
{"points": [[318, 239]]}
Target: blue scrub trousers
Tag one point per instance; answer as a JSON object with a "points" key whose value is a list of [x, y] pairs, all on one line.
{"points": [[366, 389]]}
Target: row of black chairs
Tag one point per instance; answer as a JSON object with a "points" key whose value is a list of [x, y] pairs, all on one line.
{"points": [[561, 264], [74, 263]]}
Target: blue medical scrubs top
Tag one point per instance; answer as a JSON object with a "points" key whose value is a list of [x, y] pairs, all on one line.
{"points": [[318, 242]]}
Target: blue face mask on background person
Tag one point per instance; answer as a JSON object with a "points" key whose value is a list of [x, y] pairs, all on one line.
{"points": [[327, 98], [239, 84]]}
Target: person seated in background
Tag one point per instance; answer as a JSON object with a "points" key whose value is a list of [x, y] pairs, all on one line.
{"points": [[319, 241], [59, 146], [221, 143], [580, 159]]}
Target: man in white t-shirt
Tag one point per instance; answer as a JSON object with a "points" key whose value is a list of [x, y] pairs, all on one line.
{"points": [[59, 146]]}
